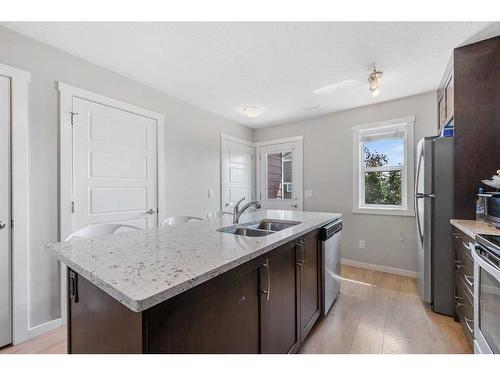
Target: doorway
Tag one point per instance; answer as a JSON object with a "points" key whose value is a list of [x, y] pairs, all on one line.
{"points": [[280, 175], [5, 215], [112, 162], [237, 174]]}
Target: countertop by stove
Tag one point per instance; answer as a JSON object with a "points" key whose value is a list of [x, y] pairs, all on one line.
{"points": [[473, 227], [143, 268]]}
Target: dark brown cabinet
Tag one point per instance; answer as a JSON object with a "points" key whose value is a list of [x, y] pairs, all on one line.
{"points": [[292, 306], [309, 283], [476, 82], [446, 106], [464, 283], [279, 301], [266, 305], [217, 317]]}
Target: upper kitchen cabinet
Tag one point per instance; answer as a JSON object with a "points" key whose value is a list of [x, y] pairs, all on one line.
{"points": [[446, 98], [476, 80]]}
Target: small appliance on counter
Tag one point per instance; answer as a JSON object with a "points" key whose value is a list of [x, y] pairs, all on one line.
{"points": [[329, 236], [486, 255], [491, 208]]}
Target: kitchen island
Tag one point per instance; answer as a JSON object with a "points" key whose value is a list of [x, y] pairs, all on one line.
{"points": [[195, 289]]}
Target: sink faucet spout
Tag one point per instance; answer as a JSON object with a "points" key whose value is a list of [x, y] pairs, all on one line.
{"points": [[237, 211]]}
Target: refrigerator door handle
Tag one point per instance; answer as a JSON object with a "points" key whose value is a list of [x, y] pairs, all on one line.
{"points": [[422, 195], [419, 157]]}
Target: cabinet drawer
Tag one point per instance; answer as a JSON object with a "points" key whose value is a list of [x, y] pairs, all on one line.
{"points": [[464, 265], [464, 310]]}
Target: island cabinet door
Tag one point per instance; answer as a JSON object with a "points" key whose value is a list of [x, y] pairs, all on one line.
{"points": [[279, 285], [308, 259], [219, 316], [99, 324]]}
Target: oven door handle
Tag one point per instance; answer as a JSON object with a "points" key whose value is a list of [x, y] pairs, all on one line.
{"points": [[485, 263]]}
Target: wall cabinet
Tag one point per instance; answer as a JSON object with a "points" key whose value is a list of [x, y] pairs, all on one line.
{"points": [[445, 94], [476, 118], [266, 305]]}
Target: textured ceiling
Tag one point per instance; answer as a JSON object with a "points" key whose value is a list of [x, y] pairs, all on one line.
{"points": [[294, 70]]}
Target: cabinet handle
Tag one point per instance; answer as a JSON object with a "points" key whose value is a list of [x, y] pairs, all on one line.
{"points": [[267, 291], [458, 298], [73, 286], [458, 264], [301, 254], [469, 280], [468, 326], [465, 245], [458, 305]]}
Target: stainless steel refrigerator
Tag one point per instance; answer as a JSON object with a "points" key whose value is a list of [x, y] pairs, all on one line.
{"points": [[434, 209]]}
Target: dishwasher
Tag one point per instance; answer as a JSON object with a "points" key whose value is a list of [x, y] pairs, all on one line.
{"points": [[329, 236]]}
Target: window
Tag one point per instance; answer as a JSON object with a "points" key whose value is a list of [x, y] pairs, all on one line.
{"points": [[279, 175], [383, 167]]}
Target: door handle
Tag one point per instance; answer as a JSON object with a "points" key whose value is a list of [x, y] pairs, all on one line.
{"points": [[3, 224], [294, 205], [151, 211]]}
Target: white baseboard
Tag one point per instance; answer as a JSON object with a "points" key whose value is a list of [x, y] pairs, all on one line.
{"points": [[44, 327], [377, 267]]}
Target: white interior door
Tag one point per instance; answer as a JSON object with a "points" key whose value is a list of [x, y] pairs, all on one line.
{"points": [[280, 182], [114, 166], [5, 252], [237, 172]]}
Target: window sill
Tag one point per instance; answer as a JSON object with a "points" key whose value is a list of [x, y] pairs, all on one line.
{"points": [[383, 211]]}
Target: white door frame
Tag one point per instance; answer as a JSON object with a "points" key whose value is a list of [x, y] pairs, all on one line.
{"points": [[66, 93], [19, 80], [224, 138], [299, 157]]}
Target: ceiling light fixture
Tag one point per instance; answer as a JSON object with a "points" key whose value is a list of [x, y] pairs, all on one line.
{"points": [[374, 81], [252, 110]]}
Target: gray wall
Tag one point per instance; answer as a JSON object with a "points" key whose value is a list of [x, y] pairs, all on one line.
{"points": [[328, 154], [192, 150]]}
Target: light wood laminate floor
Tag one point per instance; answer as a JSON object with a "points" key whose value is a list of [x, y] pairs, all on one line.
{"points": [[376, 313]]}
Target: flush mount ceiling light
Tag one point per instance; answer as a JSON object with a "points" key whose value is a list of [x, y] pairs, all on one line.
{"points": [[252, 110], [374, 81]]}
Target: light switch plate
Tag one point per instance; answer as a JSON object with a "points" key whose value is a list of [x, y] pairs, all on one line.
{"points": [[308, 193], [362, 244], [210, 193]]}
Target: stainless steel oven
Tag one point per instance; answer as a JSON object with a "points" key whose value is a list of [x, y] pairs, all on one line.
{"points": [[486, 254]]}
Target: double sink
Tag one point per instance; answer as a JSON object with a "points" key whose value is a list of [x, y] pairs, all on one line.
{"points": [[259, 228]]}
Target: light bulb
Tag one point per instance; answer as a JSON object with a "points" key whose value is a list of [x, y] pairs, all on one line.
{"points": [[375, 93]]}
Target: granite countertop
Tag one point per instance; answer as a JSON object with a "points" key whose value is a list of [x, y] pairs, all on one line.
{"points": [[143, 268], [473, 227]]}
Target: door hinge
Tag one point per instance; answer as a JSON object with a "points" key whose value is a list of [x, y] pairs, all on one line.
{"points": [[73, 114], [12, 223], [72, 207]]}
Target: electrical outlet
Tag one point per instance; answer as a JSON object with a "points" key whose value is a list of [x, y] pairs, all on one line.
{"points": [[362, 244], [308, 193]]}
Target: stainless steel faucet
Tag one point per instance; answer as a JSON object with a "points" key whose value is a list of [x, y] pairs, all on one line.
{"points": [[237, 211]]}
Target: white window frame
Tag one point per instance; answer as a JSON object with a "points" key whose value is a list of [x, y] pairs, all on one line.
{"points": [[407, 207]]}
